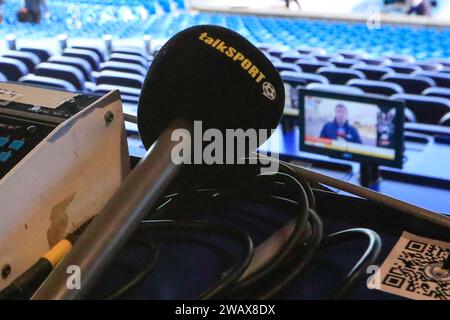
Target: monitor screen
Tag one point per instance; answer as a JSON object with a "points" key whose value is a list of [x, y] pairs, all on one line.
{"points": [[358, 128]]}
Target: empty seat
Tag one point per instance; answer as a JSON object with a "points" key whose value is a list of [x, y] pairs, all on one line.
{"points": [[12, 69], [373, 72], [105, 88], [2, 77], [444, 62], [445, 70], [79, 63], [328, 57], [400, 58], [426, 109], [347, 54], [132, 51], [43, 54], [127, 95], [445, 120], [129, 58], [430, 66], [48, 82], [375, 61], [301, 78], [272, 58], [123, 67], [340, 75], [100, 53], [291, 57], [283, 66], [129, 99], [120, 79], [91, 57], [344, 63], [336, 88], [406, 68], [312, 66], [63, 72], [28, 58], [410, 83], [377, 87], [437, 92], [441, 79], [276, 52], [311, 50]]}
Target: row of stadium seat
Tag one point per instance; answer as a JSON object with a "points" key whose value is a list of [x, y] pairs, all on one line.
{"points": [[130, 22], [78, 68], [425, 87]]}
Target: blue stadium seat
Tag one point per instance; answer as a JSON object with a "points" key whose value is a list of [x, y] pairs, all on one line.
{"points": [[48, 82], [123, 67], [62, 72], [400, 58], [377, 87], [375, 61], [133, 51], [28, 58], [272, 58], [100, 53], [302, 78], [311, 50], [437, 92], [429, 66], [335, 88], [12, 69], [328, 57], [129, 99], [441, 79], [444, 62], [120, 79], [91, 57], [291, 56], [344, 63], [2, 77], [340, 75], [312, 66], [129, 58], [276, 52], [43, 54], [445, 70], [283, 66], [445, 120], [79, 63], [410, 83], [406, 68], [373, 72], [353, 55], [426, 109], [105, 88]]}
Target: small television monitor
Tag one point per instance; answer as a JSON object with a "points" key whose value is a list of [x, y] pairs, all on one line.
{"points": [[367, 129]]}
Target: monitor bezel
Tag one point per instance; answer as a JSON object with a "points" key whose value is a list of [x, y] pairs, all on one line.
{"points": [[399, 120]]}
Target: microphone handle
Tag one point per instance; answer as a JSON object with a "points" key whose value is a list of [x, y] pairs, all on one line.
{"points": [[117, 221]]}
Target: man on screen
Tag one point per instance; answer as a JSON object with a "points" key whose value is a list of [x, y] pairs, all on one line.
{"points": [[339, 128]]}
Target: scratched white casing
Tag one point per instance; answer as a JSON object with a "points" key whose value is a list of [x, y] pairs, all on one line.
{"points": [[64, 181]]}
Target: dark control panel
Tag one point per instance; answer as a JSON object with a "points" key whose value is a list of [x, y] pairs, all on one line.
{"points": [[17, 138]]}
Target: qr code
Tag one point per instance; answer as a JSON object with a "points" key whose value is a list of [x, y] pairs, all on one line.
{"points": [[412, 269]]}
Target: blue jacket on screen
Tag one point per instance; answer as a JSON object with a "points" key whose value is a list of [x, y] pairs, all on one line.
{"points": [[329, 131]]}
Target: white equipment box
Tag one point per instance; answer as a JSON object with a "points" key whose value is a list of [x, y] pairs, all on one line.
{"points": [[62, 156]]}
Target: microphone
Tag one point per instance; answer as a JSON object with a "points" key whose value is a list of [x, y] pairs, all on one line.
{"points": [[204, 73]]}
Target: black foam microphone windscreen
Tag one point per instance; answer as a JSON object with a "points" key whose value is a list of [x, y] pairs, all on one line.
{"points": [[212, 74], [205, 73]]}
